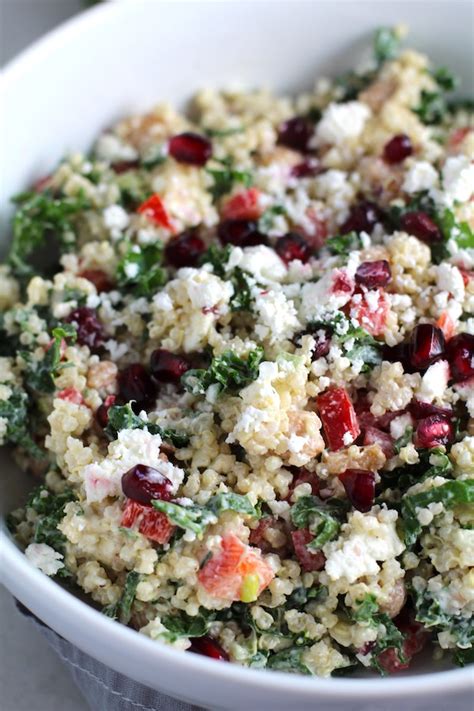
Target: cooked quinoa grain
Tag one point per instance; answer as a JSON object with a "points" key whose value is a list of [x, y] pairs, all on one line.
{"points": [[243, 372]]}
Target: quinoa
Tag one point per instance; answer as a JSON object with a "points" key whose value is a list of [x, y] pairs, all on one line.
{"points": [[243, 373]]}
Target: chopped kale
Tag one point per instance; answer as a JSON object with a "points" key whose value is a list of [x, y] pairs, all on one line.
{"points": [[343, 244], [432, 463], [445, 79], [433, 105], [323, 520], [241, 299], [140, 269], [49, 508], [289, 660], [122, 609], [462, 657], [431, 616], [228, 371], [122, 417], [218, 258], [223, 132], [39, 375], [135, 188], [196, 518], [403, 440], [183, 625], [363, 346], [266, 221], [390, 637], [449, 494], [15, 412], [299, 597], [225, 177], [386, 45], [40, 216]]}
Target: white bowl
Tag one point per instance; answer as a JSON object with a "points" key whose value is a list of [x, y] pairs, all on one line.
{"points": [[56, 97]]}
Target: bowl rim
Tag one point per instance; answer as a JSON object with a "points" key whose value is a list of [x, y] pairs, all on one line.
{"points": [[20, 576]]}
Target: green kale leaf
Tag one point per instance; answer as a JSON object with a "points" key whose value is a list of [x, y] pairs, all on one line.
{"points": [[228, 371], [122, 609], [289, 660], [323, 520], [15, 412], [40, 216], [386, 45], [390, 637], [39, 375], [433, 105], [343, 244], [225, 177], [122, 417], [140, 269], [49, 508], [431, 616], [449, 494], [183, 625]]}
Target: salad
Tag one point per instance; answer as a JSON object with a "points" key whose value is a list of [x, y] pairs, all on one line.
{"points": [[238, 359]]}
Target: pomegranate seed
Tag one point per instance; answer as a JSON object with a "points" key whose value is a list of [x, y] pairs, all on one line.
{"points": [[427, 345], [167, 367], [373, 274], [258, 536], [208, 647], [241, 233], [461, 356], [90, 331], [420, 409], [372, 435], [184, 250], [433, 431], [296, 133], [190, 148], [302, 476], [362, 218], [143, 484], [397, 149], [323, 343], [124, 165], [102, 412], [292, 246], [308, 168], [309, 560], [360, 488], [99, 278], [136, 384], [398, 354], [422, 226]]}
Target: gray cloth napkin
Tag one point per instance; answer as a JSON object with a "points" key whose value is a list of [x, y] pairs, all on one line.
{"points": [[103, 688]]}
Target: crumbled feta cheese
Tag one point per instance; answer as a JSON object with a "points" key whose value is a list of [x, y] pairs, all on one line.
{"points": [[113, 149], [162, 301], [458, 179], [449, 279], [399, 425], [262, 262], [45, 558], [434, 382], [277, 319], [342, 121], [116, 220], [420, 176]]}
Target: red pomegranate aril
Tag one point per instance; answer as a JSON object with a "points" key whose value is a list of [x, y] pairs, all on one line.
{"points": [[124, 166], [372, 435], [397, 149], [420, 409], [308, 168], [373, 274], [90, 331], [360, 488], [260, 538], [143, 484], [99, 278], [240, 233], [427, 345], [309, 560], [208, 647], [461, 356], [398, 354], [136, 384], [296, 133], [362, 218], [303, 476], [167, 367], [102, 412], [292, 246], [190, 148], [433, 431], [184, 250], [420, 225]]}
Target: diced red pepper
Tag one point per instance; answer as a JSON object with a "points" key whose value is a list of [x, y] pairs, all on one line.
{"points": [[154, 209], [308, 560], [244, 205], [338, 417], [71, 395], [153, 524], [370, 309]]}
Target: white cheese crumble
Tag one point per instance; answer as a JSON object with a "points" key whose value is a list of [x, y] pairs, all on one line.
{"points": [[399, 425], [262, 262], [45, 558], [449, 278], [113, 149], [342, 121], [434, 382], [420, 176], [458, 179], [366, 540], [116, 220]]}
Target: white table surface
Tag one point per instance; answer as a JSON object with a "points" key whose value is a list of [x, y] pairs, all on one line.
{"points": [[31, 676]]}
